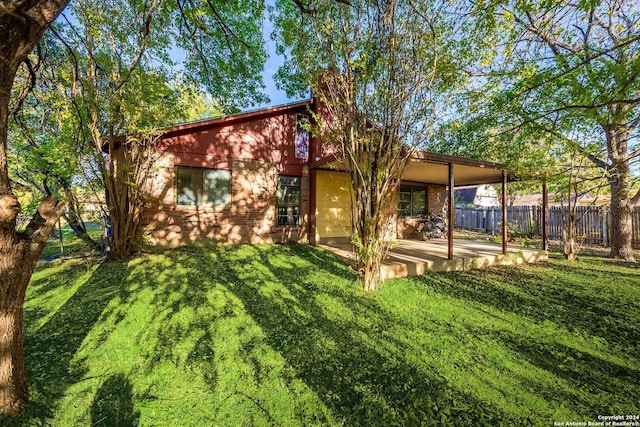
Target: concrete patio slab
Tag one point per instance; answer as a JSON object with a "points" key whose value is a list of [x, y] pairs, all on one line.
{"points": [[415, 257]]}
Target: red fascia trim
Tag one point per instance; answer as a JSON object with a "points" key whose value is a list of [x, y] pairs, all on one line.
{"points": [[222, 120], [235, 118]]}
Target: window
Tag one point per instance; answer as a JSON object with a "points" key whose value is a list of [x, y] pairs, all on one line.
{"points": [[412, 201], [203, 187], [288, 200]]}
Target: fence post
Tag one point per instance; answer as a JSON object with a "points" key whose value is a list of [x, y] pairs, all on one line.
{"points": [[545, 216], [505, 235], [605, 222]]}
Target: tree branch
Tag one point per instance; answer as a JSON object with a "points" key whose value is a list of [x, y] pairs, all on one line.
{"points": [[31, 83], [225, 28], [599, 163], [145, 32], [44, 220], [17, 17], [583, 63]]}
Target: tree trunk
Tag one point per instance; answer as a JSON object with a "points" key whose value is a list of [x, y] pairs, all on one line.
{"points": [[570, 248], [371, 277], [18, 259], [14, 391], [570, 251], [13, 377], [74, 218], [621, 201], [21, 27], [80, 231], [621, 214], [370, 228]]}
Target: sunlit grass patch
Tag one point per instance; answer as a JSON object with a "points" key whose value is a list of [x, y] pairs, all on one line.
{"points": [[282, 335]]}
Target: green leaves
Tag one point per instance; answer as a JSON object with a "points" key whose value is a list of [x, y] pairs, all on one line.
{"points": [[224, 48], [548, 71], [379, 72]]}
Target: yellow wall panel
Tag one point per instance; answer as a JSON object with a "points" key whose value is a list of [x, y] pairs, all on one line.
{"points": [[333, 205]]}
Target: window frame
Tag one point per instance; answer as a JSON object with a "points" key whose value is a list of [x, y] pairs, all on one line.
{"points": [[411, 200], [295, 217], [204, 179]]}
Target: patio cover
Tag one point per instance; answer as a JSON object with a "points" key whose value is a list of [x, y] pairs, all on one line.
{"points": [[433, 168], [450, 171]]}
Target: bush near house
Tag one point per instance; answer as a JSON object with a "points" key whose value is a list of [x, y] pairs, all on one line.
{"points": [[282, 335]]}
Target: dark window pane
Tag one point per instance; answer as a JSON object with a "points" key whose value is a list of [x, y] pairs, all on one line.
{"points": [[290, 180], [289, 215], [199, 186], [404, 201], [412, 201], [289, 190], [288, 200], [189, 186], [289, 195], [418, 200]]}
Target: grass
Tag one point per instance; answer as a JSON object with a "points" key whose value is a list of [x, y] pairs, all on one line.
{"points": [[282, 336], [71, 245]]}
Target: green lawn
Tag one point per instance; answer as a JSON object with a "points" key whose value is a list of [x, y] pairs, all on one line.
{"points": [[282, 336], [71, 245]]}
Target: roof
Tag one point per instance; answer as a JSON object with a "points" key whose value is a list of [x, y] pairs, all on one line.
{"points": [[223, 120], [433, 168], [234, 118], [424, 166], [466, 195]]}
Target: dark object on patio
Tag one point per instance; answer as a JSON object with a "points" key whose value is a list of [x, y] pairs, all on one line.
{"points": [[433, 226]]}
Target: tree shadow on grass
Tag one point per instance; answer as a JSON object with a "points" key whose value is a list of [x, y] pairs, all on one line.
{"points": [[301, 304], [594, 382], [113, 403], [616, 386], [50, 349], [595, 267], [333, 337], [544, 298]]}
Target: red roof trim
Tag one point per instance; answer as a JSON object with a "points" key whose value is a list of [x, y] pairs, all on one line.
{"points": [[233, 118], [323, 161], [222, 120]]}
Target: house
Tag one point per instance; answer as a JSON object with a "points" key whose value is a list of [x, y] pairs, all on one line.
{"points": [[481, 195], [557, 199], [260, 177]]}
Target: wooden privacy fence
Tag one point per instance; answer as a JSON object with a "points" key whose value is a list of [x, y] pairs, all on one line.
{"points": [[593, 223]]}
